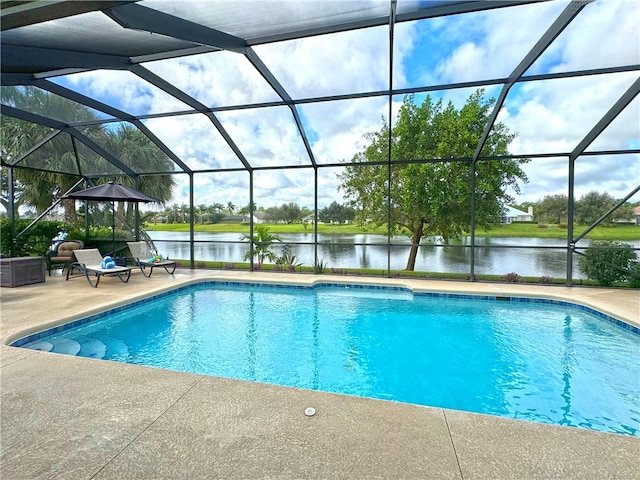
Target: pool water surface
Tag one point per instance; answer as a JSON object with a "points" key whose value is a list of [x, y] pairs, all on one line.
{"points": [[542, 361]]}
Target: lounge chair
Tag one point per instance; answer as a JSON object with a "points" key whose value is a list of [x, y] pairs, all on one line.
{"points": [[145, 258], [90, 263], [61, 255]]}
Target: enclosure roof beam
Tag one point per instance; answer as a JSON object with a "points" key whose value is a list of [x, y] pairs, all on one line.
{"points": [[257, 62], [137, 17], [33, 118], [56, 124], [563, 20], [24, 59], [608, 117], [15, 79], [160, 144], [193, 103], [34, 148], [101, 151], [82, 99], [109, 110], [558, 26]]}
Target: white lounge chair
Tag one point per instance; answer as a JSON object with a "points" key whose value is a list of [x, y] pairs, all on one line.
{"points": [[88, 261], [144, 258]]}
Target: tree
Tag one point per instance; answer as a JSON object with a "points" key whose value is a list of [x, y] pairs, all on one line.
{"points": [[39, 188], [624, 213], [592, 206], [262, 241], [290, 212], [134, 149], [553, 208], [336, 213], [4, 192], [432, 195]]}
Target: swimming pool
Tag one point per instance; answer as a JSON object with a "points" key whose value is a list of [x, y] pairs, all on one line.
{"points": [[544, 361]]}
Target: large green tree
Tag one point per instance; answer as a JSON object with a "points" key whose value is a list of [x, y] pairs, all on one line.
{"points": [[553, 208], [336, 213], [432, 195], [592, 205]]}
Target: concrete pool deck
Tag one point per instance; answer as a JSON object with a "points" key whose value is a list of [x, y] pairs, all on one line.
{"points": [[77, 418]]}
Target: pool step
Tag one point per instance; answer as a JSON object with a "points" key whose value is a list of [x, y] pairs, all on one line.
{"points": [[65, 346], [116, 348], [41, 345], [92, 348]]}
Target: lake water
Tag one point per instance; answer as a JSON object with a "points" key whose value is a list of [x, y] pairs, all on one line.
{"points": [[525, 256]]}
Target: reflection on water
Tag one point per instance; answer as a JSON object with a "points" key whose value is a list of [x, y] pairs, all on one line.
{"points": [[349, 251]]}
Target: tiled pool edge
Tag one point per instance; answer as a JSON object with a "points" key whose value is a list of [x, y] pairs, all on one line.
{"points": [[22, 340]]}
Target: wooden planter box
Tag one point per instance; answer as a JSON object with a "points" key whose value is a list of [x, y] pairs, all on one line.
{"points": [[18, 271]]}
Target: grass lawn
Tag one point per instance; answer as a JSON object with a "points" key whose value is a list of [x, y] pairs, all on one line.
{"points": [[526, 230]]}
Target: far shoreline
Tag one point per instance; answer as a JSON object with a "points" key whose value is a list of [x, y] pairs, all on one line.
{"points": [[618, 232]]}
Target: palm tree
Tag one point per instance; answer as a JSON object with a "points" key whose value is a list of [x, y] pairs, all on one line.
{"points": [[134, 149], [41, 187], [202, 211], [262, 241], [231, 208]]}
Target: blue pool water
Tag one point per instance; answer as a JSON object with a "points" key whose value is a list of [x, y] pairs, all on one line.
{"points": [[542, 361]]}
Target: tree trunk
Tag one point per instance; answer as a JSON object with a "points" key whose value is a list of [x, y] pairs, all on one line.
{"points": [[120, 207], [5, 204], [415, 243], [70, 214]]}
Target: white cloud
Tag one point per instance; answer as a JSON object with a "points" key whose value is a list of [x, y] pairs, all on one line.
{"points": [[551, 116], [354, 61], [554, 116]]}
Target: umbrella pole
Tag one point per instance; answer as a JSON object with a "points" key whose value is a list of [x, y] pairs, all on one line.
{"points": [[113, 229]]}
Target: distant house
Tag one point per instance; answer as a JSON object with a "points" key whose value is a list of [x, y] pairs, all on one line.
{"points": [[234, 219], [260, 217], [636, 215], [510, 215], [308, 219]]}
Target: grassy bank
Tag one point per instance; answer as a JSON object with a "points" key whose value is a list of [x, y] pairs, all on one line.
{"points": [[526, 230]]}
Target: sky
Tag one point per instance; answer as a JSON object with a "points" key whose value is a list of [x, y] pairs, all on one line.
{"points": [[548, 116]]}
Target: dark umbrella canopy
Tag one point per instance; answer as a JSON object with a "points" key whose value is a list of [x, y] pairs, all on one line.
{"points": [[111, 192]]}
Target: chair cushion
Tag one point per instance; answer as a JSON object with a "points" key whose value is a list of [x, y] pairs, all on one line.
{"points": [[66, 249]]}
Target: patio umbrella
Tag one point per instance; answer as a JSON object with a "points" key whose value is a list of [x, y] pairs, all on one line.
{"points": [[112, 192]]}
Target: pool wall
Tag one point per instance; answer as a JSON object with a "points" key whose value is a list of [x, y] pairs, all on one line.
{"points": [[60, 326]]}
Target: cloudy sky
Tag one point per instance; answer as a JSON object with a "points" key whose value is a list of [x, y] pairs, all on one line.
{"points": [[549, 116]]}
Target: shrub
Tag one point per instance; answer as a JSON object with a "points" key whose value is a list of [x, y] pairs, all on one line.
{"points": [[545, 279], [35, 242], [606, 262], [319, 266], [634, 277], [512, 277], [287, 261], [543, 225]]}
